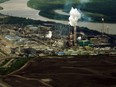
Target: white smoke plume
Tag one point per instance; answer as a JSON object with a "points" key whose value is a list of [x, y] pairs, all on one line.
{"points": [[49, 35], [74, 16]]}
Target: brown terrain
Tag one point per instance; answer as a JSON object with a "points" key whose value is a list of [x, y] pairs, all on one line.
{"points": [[5, 47], [76, 71]]}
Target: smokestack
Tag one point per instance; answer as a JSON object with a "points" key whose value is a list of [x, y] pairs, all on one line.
{"points": [[74, 17], [102, 29]]}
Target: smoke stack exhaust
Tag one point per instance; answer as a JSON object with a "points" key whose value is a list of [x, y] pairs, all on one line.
{"points": [[74, 17]]}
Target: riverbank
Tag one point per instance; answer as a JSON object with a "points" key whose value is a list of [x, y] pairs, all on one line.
{"points": [[88, 9], [19, 8], [1, 1]]}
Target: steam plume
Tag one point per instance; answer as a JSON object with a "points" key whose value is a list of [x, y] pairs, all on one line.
{"points": [[74, 16], [49, 35]]}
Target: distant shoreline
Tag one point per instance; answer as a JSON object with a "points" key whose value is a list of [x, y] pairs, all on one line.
{"points": [[19, 8]]}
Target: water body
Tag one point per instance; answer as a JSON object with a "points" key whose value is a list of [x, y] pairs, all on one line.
{"points": [[19, 8]]}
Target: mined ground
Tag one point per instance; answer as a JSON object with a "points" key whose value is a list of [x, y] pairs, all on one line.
{"points": [[81, 71]]}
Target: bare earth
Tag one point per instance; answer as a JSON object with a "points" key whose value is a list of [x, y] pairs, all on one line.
{"points": [[81, 71]]}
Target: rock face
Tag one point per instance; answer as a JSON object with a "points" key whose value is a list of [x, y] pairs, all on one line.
{"points": [[5, 47]]}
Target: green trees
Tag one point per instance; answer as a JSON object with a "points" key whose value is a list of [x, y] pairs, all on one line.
{"points": [[91, 9]]}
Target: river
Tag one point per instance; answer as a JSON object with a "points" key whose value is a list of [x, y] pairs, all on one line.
{"points": [[19, 8]]}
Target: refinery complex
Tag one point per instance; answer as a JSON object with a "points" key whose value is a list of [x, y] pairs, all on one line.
{"points": [[36, 51], [50, 39]]}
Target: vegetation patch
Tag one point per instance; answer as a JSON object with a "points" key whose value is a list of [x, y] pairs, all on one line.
{"points": [[17, 63], [106, 9], [1, 1]]}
